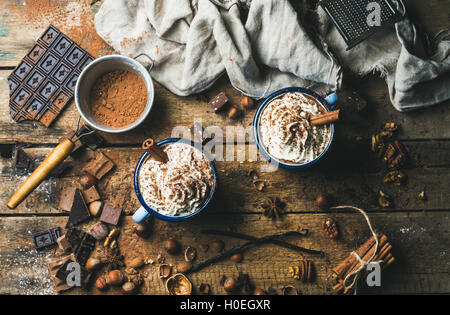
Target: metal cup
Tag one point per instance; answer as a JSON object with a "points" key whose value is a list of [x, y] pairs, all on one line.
{"points": [[98, 68]]}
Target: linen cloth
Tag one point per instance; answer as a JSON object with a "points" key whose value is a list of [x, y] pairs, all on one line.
{"points": [[194, 42]]}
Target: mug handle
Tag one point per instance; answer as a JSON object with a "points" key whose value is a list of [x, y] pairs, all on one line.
{"points": [[331, 99], [140, 215], [152, 63]]}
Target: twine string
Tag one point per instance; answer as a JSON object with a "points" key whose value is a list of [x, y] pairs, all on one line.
{"points": [[363, 263]]}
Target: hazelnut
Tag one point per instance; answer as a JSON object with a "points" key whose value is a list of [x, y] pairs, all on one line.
{"points": [[95, 207], [141, 230], [323, 201], [93, 263], [230, 284], [115, 277], [218, 245], [259, 292], [247, 102], [172, 246], [136, 263], [233, 112], [184, 267], [237, 257], [101, 284], [87, 180], [128, 288]]}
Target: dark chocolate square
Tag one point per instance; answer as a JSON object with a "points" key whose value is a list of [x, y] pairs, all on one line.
{"points": [[61, 73], [34, 107], [218, 102], [35, 79], [49, 36], [36, 53], [46, 238], [22, 70], [75, 56], [87, 60], [47, 90], [71, 82], [12, 85], [22, 97], [62, 45], [48, 63]]}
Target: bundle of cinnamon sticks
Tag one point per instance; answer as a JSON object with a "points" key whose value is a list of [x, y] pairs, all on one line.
{"points": [[351, 263]]}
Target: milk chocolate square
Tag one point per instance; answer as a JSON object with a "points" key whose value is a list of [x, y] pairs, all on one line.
{"points": [[110, 214], [91, 194], [66, 198], [99, 166]]}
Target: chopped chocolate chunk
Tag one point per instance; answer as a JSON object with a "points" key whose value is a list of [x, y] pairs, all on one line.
{"points": [[85, 248], [110, 214], [23, 160], [74, 237], [92, 140], [218, 102], [62, 272], [43, 83], [79, 211], [63, 243], [46, 238], [6, 150], [99, 166], [91, 194]]}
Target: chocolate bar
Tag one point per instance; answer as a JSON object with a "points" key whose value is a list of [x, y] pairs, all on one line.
{"points": [[79, 211], [44, 81], [82, 244], [218, 102], [46, 238], [110, 214]]}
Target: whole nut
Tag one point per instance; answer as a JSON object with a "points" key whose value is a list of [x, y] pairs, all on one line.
{"points": [[136, 263], [115, 277], [101, 284], [259, 292], [230, 284], [237, 257], [128, 288], [95, 207], [247, 102], [233, 112], [218, 245], [92, 264], [323, 201], [142, 229], [87, 180], [184, 267], [172, 246]]}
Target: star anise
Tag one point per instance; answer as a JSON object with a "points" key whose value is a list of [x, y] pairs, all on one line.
{"points": [[274, 208], [113, 259]]}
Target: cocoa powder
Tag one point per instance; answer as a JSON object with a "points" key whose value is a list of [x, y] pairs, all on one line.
{"points": [[118, 98]]}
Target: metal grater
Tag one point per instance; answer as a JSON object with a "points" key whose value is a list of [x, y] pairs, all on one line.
{"points": [[350, 18]]}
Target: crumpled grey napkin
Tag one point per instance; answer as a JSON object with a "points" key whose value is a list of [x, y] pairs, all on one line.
{"points": [[194, 42]]}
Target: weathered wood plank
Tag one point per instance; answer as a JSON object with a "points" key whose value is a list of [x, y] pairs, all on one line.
{"points": [[420, 244], [351, 183]]}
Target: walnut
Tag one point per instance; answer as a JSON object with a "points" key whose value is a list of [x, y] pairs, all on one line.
{"points": [[396, 177]]}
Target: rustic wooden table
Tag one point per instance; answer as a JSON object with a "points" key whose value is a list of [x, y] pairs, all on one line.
{"points": [[417, 230]]}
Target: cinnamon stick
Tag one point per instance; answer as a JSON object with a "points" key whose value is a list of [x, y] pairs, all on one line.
{"points": [[325, 118], [156, 152], [368, 254]]}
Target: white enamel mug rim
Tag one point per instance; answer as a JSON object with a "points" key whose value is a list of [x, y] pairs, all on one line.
{"points": [[140, 69]]}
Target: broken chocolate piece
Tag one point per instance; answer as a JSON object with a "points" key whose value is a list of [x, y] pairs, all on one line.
{"points": [[6, 150], [92, 140], [54, 265], [64, 271], [91, 194], [23, 160], [99, 166], [218, 102], [74, 236], [46, 238], [79, 211], [110, 214], [44, 82]]}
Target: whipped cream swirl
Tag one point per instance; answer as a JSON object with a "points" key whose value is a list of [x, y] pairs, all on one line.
{"points": [[286, 132], [180, 186]]}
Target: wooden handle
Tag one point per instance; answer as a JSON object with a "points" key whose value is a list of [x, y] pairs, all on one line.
{"points": [[55, 157]]}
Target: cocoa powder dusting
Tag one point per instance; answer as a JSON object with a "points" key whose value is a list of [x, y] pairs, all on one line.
{"points": [[73, 18], [118, 98]]}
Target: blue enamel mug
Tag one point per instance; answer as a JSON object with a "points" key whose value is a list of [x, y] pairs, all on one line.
{"points": [[145, 211], [326, 102]]}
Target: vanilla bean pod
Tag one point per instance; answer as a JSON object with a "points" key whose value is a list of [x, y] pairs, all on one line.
{"points": [[251, 238], [239, 248]]}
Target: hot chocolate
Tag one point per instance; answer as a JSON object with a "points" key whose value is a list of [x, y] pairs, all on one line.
{"points": [[286, 132], [179, 187]]}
